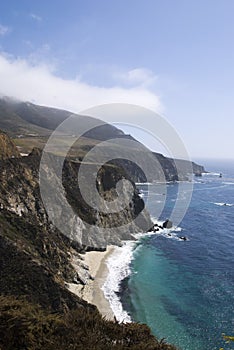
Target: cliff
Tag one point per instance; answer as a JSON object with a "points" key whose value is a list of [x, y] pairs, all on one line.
{"points": [[7, 147], [37, 311], [37, 246], [168, 166], [20, 194], [41, 254]]}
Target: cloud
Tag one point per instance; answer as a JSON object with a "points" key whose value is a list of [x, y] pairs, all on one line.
{"points": [[138, 76], [35, 17], [38, 83], [4, 30]]}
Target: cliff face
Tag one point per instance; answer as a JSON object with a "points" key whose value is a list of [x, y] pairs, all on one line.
{"points": [[168, 166], [37, 311], [35, 263], [34, 254], [7, 148], [35, 258], [20, 194]]}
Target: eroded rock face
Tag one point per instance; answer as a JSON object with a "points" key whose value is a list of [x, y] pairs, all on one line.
{"points": [[36, 263], [167, 224], [33, 249], [182, 170], [7, 147], [32, 245], [20, 194]]}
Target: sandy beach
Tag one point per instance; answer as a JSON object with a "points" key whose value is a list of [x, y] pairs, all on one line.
{"points": [[99, 270], [92, 292]]}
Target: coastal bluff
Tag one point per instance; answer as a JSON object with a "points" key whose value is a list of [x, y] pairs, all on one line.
{"points": [[38, 262]]}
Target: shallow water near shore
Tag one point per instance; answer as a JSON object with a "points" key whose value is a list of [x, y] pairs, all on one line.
{"points": [[184, 290]]}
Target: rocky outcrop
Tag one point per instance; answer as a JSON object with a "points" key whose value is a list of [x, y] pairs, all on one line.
{"points": [[7, 147], [186, 166], [182, 170], [38, 261], [167, 224], [198, 170], [87, 228]]}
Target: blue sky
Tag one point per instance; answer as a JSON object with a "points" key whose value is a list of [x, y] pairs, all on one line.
{"points": [[170, 55]]}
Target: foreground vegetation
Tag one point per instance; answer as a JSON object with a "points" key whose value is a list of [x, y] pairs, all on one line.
{"points": [[24, 325]]}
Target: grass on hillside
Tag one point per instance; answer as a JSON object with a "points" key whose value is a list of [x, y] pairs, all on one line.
{"points": [[27, 326]]}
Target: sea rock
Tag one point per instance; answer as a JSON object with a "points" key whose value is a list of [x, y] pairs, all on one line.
{"points": [[154, 228], [183, 238], [167, 224]]}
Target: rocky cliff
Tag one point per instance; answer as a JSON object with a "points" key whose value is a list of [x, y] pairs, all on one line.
{"points": [[7, 147], [20, 194], [37, 311], [184, 171], [42, 246], [28, 236]]}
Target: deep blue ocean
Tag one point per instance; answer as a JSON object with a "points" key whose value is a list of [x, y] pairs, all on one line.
{"points": [[184, 290]]}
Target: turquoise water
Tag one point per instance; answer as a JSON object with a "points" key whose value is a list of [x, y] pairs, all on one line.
{"points": [[184, 290]]}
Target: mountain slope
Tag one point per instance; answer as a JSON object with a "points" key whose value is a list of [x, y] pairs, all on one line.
{"points": [[30, 126], [14, 125]]}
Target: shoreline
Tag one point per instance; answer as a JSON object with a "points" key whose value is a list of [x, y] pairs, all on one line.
{"points": [[95, 264], [106, 271], [98, 269]]}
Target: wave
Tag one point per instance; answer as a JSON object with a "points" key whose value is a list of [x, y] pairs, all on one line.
{"points": [[119, 268], [118, 265], [144, 183], [172, 234], [200, 182], [223, 204], [209, 188], [211, 174]]}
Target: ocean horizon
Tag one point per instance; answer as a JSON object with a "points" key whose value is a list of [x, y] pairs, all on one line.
{"points": [[183, 290]]}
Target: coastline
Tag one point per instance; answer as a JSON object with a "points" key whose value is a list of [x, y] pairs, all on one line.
{"points": [[98, 269], [92, 291], [106, 272]]}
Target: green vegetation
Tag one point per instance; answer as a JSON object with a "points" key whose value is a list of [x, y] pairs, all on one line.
{"points": [[27, 326]]}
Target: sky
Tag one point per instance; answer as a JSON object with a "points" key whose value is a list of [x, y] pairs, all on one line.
{"points": [[175, 57]]}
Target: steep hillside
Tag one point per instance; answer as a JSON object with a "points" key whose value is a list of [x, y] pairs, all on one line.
{"points": [[20, 194], [24, 117], [37, 311], [14, 125], [30, 125]]}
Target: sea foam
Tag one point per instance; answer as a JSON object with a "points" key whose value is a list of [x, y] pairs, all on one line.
{"points": [[224, 204], [119, 268]]}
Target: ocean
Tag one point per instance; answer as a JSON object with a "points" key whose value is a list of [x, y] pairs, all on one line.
{"points": [[183, 290]]}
